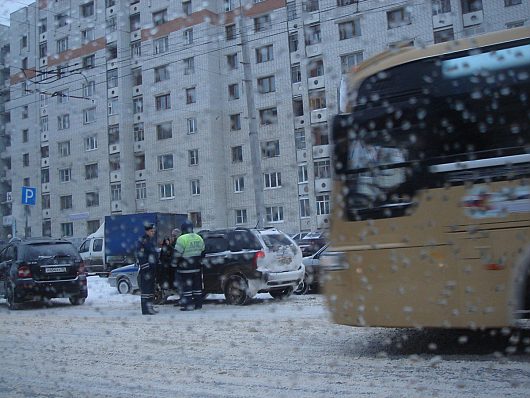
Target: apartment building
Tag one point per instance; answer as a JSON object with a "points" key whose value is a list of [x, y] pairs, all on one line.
{"points": [[217, 109]]}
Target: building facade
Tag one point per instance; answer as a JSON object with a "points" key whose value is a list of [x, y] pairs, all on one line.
{"points": [[217, 109]]}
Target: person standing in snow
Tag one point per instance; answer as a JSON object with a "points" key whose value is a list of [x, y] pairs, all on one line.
{"points": [[147, 258]]}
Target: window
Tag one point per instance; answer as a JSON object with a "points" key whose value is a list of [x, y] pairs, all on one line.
{"points": [[138, 104], [87, 9], [62, 45], [186, 7], [322, 204], [136, 74], [241, 216], [134, 22], [189, 66], [163, 102], [441, 6], [91, 171], [47, 228], [111, 25], [91, 143], [304, 208], [67, 229], [63, 122], [43, 49], [317, 100], [92, 226], [237, 154], [192, 125], [231, 60], [274, 214], [166, 190], [92, 199], [293, 42], [46, 201], [25, 159], [239, 183], [233, 91], [268, 116], [230, 32], [43, 25], [315, 68], [302, 174], [112, 106], [165, 162], [291, 11], [25, 135], [266, 85], [88, 35], [164, 131], [264, 54], [138, 129], [43, 123], [65, 175], [160, 17], [114, 162], [272, 180], [262, 23], [61, 19], [188, 36], [444, 35], [235, 122], [114, 134], [348, 61], [89, 115], [322, 169], [508, 3], [141, 190], [193, 157], [161, 45], [312, 34], [195, 187], [115, 191], [398, 17], [89, 89], [62, 96], [342, 3], [136, 48], [296, 74], [112, 78], [310, 5], [270, 149], [112, 51], [191, 95], [64, 148], [298, 107], [196, 219], [110, 3], [139, 162], [161, 73], [471, 6], [349, 29], [45, 151], [299, 139]]}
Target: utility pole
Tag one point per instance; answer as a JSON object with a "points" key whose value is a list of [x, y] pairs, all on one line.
{"points": [[255, 153]]}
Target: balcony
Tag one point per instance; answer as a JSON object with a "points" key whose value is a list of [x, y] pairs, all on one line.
{"points": [[115, 176], [303, 189], [313, 50], [45, 188], [45, 162], [323, 221], [139, 175], [301, 155], [137, 90], [311, 17], [139, 146], [299, 122], [322, 185], [321, 151], [319, 115], [442, 20], [473, 18], [315, 82], [114, 148], [44, 136], [116, 205], [46, 213]]}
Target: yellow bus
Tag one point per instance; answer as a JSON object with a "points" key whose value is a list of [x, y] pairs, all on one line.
{"points": [[430, 222]]}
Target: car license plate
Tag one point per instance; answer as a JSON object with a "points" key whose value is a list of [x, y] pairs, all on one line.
{"points": [[49, 270]]}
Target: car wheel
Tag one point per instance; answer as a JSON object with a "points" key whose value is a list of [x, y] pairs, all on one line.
{"points": [[303, 287], [235, 290], [124, 286], [10, 295], [76, 300], [281, 294]]}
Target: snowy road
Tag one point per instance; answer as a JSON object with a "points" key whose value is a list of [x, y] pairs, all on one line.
{"points": [[105, 348]]}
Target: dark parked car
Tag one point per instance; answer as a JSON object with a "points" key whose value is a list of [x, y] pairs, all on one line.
{"points": [[40, 269], [238, 263], [312, 242]]}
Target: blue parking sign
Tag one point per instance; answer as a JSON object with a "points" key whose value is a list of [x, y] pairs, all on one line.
{"points": [[29, 196]]}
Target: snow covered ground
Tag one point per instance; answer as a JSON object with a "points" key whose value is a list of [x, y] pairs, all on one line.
{"points": [[106, 348]]}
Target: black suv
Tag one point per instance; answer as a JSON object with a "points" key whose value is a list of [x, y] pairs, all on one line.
{"points": [[39, 269]]}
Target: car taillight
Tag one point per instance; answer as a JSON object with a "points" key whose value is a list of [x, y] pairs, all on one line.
{"points": [[257, 257], [24, 271]]}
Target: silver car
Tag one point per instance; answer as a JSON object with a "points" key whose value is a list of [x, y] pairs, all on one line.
{"points": [[125, 279], [312, 272]]}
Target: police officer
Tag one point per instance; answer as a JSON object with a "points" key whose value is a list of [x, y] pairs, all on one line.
{"points": [[165, 276], [147, 259], [189, 249]]}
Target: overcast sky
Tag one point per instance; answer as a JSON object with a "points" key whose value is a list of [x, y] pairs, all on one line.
{"points": [[9, 6]]}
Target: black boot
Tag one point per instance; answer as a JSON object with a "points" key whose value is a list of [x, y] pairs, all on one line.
{"points": [[150, 307], [145, 308]]}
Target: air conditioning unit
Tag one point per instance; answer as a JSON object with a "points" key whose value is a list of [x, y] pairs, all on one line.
{"points": [[473, 18]]}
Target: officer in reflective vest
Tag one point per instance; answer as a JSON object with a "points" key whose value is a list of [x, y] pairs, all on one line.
{"points": [[189, 250], [147, 258]]}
